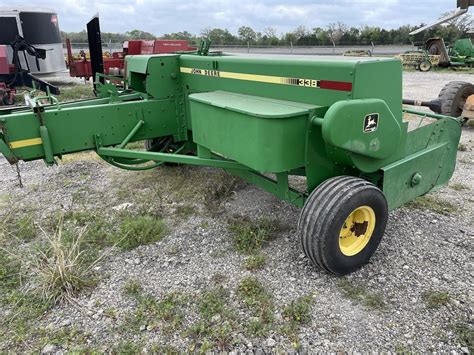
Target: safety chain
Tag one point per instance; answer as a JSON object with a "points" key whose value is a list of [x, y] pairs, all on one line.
{"points": [[18, 175]]}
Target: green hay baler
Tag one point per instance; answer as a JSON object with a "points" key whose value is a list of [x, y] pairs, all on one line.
{"points": [[335, 121]]}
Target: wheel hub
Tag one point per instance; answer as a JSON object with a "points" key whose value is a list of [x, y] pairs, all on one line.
{"points": [[357, 230]]}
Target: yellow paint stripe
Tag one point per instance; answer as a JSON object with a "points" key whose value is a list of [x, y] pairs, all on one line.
{"points": [[251, 77], [25, 143]]}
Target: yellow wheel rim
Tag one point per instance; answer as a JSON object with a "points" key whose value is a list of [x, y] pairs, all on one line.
{"points": [[357, 230]]}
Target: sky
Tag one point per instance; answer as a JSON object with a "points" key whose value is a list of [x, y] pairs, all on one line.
{"points": [[162, 16]]}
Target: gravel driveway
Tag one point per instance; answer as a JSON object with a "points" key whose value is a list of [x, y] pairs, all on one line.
{"points": [[415, 295]]}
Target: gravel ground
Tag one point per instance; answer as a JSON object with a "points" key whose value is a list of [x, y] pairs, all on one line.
{"points": [[422, 252]]}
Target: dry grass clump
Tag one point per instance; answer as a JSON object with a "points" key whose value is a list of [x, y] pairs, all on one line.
{"points": [[59, 268]]}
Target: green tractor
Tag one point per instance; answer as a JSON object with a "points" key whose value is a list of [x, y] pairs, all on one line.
{"points": [[460, 53]]}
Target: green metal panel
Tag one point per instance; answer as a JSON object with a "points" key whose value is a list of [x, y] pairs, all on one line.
{"points": [[430, 152], [414, 175], [265, 134], [381, 79], [290, 68], [165, 73], [74, 129], [365, 126]]}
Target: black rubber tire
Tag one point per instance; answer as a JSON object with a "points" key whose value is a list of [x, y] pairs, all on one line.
{"points": [[324, 214], [453, 96], [424, 66], [435, 48]]}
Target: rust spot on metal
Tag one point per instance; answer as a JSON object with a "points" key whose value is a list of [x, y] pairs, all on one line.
{"points": [[359, 229]]}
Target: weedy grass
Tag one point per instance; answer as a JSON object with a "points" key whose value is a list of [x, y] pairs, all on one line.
{"points": [[255, 262], [97, 228], [295, 314], [436, 299], [360, 294], [166, 314], [207, 336], [217, 321], [257, 298], [299, 310], [17, 228], [60, 270], [402, 349], [10, 275], [163, 349], [213, 302], [133, 288], [462, 147], [250, 236], [465, 334], [434, 204], [139, 230], [127, 348], [55, 269]]}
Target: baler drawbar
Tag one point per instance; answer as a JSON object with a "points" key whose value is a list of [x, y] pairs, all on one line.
{"points": [[336, 121]]}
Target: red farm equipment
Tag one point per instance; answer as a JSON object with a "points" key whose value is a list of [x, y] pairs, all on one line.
{"points": [[114, 62]]}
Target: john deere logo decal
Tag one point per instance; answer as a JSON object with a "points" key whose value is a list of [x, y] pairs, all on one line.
{"points": [[371, 122]]}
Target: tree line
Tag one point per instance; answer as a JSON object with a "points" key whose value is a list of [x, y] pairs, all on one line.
{"points": [[334, 34]]}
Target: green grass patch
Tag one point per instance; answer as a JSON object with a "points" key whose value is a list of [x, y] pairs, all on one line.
{"points": [[295, 314], [19, 326], [166, 314], [217, 321], [139, 230], [436, 299], [298, 311], [213, 302], [17, 227], [133, 288], [255, 262], [257, 298], [434, 204], [97, 228], [207, 336], [9, 272], [360, 294], [251, 236]]}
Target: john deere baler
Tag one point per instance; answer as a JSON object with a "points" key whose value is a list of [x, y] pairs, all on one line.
{"points": [[336, 121]]}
